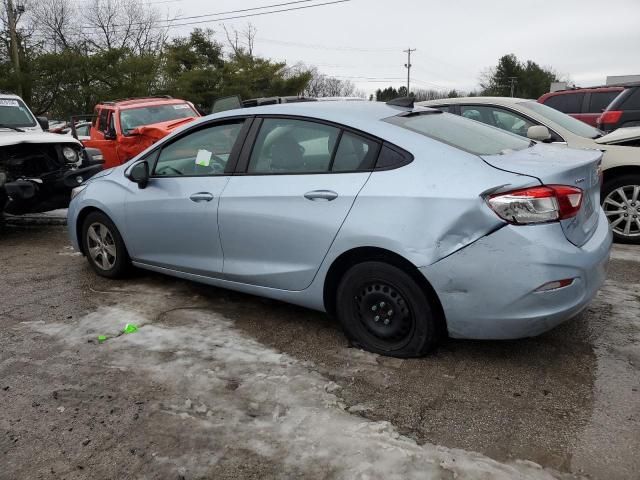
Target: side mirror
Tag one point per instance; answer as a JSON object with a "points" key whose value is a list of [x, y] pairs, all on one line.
{"points": [[539, 133], [43, 122], [140, 174]]}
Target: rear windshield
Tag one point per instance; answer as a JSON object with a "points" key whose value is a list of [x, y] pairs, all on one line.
{"points": [[565, 121], [14, 113], [136, 117], [468, 135]]}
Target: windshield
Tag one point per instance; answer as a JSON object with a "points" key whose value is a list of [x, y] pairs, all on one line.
{"points": [[135, 117], [565, 121], [473, 137], [14, 113]]}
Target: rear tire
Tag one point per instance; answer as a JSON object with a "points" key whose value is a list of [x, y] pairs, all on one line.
{"points": [[383, 310], [104, 247], [617, 201]]}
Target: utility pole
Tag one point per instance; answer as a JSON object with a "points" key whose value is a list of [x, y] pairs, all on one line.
{"points": [[11, 13], [408, 67], [513, 81]]}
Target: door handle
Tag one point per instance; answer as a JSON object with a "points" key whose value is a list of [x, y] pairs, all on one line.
{"points": [[327, 195], [201, 197]]}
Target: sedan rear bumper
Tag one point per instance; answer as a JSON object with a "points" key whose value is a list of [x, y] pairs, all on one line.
{"points": [[488, 289]]}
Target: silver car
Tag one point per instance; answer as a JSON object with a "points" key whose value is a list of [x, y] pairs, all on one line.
{"points": [[405, 223]]}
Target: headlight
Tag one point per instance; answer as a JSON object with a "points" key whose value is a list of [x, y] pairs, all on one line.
{"points": [[70, 154], [76, 191]]}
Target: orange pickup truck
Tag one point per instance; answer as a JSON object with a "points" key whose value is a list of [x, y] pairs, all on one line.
{"points": [[123, 128]]}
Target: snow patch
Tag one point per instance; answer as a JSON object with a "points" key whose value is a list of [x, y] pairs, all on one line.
{"points": [[228, 386]]}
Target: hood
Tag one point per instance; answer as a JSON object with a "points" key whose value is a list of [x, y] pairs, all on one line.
{"points": [[10, 137], [156, 131], [620, 135]]}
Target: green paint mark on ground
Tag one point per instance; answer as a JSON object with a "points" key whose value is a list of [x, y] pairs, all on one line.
{"points": [[130, 328]]}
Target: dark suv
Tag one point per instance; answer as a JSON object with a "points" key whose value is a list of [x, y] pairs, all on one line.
{"points": [[623, 111], [586, 104]]}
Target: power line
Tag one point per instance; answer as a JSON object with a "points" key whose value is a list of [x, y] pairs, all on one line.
{"points": [[170, 23]]}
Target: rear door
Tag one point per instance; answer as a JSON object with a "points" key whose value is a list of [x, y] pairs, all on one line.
{"points": [[280, 213]]}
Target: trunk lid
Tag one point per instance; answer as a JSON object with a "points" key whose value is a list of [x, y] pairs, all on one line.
{"points": [[553, 165], [621, 135]]}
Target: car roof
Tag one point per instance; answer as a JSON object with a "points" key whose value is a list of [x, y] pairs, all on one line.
{"points": [[344, 112], [364, 116], [9, 95], [141, 102], [452, 101]]}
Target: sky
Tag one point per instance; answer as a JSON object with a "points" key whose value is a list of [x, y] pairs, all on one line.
{"points": [[455, 40]]}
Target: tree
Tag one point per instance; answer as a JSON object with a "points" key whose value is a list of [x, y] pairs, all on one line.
{"points": [[527, 79]]}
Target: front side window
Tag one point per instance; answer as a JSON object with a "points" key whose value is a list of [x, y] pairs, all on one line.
{"points": [[102, 120], [14, 113], [472, 137], [497, 117], [203, 152], [132, 118], [293, 146]]}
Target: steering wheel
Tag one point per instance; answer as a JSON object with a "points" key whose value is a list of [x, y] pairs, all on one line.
{"points": [[162, 170]]}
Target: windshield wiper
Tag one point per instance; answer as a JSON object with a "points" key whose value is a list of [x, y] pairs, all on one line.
{"points": [[2, 125]]}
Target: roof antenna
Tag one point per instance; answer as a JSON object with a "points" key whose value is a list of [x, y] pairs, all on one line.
{"points": [[402, 102]]}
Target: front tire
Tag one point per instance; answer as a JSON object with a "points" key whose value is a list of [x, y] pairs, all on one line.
{"points": [[621, 204], [104, 246], [383, 310]]}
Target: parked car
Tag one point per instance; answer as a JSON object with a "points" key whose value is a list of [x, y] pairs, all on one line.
{"points": [[585, 104], [623, 111], [403, 222], [527, 118], [124, 128], [38, 169]]}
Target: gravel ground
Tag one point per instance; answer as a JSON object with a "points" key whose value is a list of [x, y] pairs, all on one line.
{"points": [[217, 384]]}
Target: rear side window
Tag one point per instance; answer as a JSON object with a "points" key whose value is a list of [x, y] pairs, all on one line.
{"points": [[293, 146], [566, 102], [472, 137], [354, 153], [600, 100]]}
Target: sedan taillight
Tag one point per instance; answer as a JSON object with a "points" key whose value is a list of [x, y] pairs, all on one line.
{"points": [[548, 203]]}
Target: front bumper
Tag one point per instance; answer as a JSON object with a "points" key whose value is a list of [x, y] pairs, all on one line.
{"points": [[488, 289]]}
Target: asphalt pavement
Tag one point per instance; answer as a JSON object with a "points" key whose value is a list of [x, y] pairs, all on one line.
{"points": [[216, 384]]}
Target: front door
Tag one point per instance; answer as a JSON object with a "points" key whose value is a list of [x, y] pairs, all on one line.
{"points": [[279, 217], [173, 222]]}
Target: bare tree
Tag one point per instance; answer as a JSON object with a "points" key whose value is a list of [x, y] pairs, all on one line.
{"points": [[124, 24], [56, 22], [241, 43], [322, 85]]}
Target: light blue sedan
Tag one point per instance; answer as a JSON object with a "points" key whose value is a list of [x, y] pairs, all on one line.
{"points": [[404, 222]]}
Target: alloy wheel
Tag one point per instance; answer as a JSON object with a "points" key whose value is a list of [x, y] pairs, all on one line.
{"points": [[101, 246], [622, 208]]}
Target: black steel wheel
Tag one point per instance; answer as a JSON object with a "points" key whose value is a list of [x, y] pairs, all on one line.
{"points": [[382, 309]]}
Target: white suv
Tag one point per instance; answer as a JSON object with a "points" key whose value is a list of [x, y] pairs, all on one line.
{"points": [[38, 169]]}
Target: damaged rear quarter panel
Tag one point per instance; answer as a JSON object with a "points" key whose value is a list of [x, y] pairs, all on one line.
{"points": [[429, 209]]}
